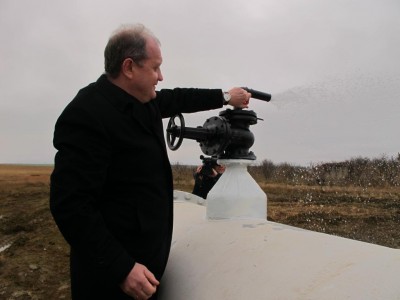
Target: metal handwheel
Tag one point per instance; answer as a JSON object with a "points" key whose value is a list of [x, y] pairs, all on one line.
{"points": [[174, 132]]}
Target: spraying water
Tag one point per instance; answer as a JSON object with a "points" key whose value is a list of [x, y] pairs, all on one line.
{"points": [[340, 89], [337, 118]]}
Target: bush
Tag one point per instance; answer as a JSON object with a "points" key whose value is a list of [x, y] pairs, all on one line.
{"points": [[359, 171]]}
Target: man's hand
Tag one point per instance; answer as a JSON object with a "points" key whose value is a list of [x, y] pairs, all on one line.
{"points": [[239, 97], [140, 283]]}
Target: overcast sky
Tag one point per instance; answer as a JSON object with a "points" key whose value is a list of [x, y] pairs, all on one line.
{"points": [[332, 67]]}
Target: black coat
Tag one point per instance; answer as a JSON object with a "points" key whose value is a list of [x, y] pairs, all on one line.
{"points": [[111, 189]]}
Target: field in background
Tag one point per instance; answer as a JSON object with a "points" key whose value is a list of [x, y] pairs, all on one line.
{"points": [[34, 256], [35, 265], [361, 212]]}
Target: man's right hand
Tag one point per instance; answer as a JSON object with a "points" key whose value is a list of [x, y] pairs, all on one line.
{"points": [[140, 283], [239, 97]]}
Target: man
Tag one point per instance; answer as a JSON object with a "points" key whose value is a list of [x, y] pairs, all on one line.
{"points": [[111, 189], [206, 176]]}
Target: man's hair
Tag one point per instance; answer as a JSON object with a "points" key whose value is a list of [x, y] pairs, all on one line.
{"points": [[128, 41]]}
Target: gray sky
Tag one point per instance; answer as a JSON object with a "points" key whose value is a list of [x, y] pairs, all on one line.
{"points": [[332, 67]]}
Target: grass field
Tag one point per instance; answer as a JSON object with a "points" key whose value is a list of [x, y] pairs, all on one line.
{"points": [[34, 256]]}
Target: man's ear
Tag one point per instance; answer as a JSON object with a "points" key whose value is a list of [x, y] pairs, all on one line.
{"points": [[127, 67]]}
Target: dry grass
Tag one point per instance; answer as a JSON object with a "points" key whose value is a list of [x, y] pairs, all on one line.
{"points": [[35, 266]]}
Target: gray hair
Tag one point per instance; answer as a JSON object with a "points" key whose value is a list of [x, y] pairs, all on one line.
{"points": [[128, 41]]}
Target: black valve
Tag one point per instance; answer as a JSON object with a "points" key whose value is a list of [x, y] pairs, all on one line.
{"points": [[226, 136]]}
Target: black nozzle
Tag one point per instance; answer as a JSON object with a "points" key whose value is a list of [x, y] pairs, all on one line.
{"points": [[258, 95]]}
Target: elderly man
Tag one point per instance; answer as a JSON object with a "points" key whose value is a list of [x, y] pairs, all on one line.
{"points": [[111, 188]]}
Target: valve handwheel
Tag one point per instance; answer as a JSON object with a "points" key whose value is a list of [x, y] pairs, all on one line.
{"points": [[174, 132]]}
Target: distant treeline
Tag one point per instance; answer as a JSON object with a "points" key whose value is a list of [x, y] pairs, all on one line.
{"points": [[360, 171], [363, 172]]}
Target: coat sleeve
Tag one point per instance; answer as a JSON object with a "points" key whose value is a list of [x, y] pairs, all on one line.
{"points": [[183, 100], [76, 183]]}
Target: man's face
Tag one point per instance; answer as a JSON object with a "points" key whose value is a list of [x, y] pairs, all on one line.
{"points": [[148, 73]]}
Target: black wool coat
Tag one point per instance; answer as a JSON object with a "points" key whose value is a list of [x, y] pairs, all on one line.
{"points": [[111, 191]]}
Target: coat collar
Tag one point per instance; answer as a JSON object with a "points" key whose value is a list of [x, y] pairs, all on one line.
{"points": [[114, 94], [146, 115]]}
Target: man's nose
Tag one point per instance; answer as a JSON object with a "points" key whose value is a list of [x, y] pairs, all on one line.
{"points": [[160, 76]]}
